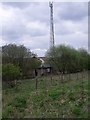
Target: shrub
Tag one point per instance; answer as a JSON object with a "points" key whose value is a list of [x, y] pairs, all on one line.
{"points": [[10, 72]]}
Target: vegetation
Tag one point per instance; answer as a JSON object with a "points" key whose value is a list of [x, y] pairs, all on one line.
{"points": [[10, 72], [66, 59], [21, 57], [50, 100], [62, 93]]}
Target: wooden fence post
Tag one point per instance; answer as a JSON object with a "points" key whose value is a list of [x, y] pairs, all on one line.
{"points": [[36, 83]]}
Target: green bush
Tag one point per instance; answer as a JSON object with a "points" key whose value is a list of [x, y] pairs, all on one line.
{"points": [[10, 72]]}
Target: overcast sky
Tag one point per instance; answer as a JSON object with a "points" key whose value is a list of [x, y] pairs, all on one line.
{"points": [[29, 24]]}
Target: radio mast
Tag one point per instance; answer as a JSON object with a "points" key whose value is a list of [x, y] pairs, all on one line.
{"points": [[51, 25]]}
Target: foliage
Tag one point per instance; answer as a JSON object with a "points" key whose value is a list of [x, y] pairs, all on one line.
{"points": [[30, 64], [10, 72], [12, 51], [88, 62], [66, 59], [22, 57]]}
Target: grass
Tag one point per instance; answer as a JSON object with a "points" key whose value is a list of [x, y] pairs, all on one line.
{"points": [[52, 99]]}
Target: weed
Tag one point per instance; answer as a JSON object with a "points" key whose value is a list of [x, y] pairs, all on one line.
{"points": [[54, 94], [25, 101], [20, 102], [77, 111], [71, 96], [8, 110]]}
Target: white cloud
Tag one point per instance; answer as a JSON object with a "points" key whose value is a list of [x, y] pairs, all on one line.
{"points": [[28, 24], [39, 51], [69, 27], [77, 40]]}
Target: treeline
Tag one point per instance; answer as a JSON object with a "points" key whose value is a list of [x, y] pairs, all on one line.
{"points": [[18, 62], [66, 59]]}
